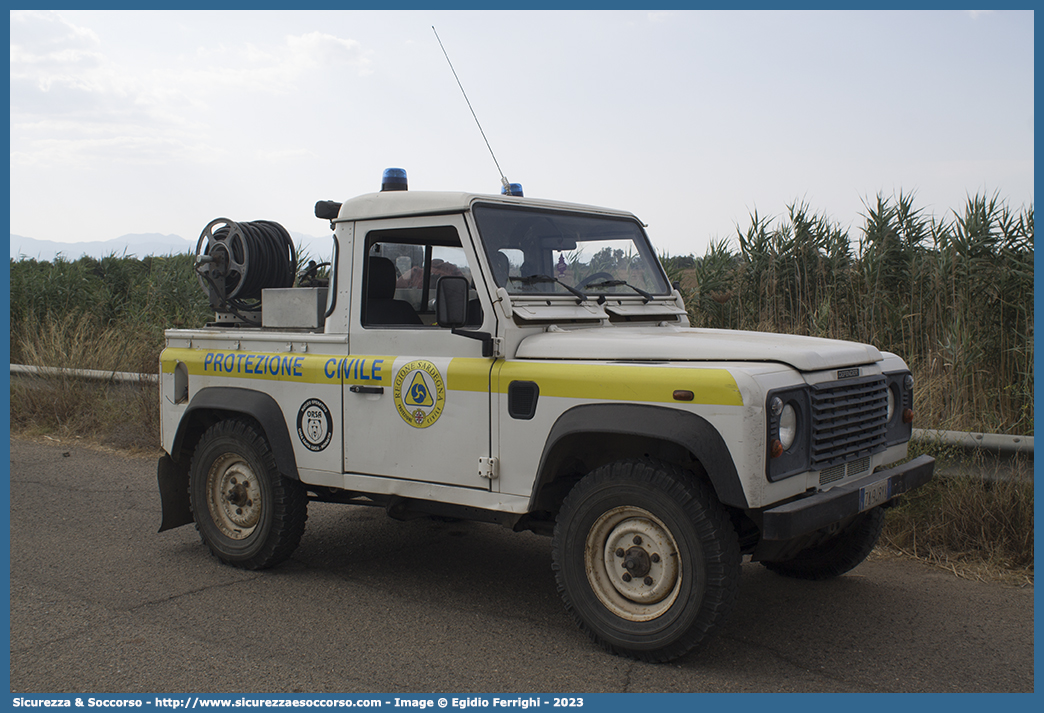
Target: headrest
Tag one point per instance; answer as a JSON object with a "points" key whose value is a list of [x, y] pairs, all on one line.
{"points": [[380, 283]]}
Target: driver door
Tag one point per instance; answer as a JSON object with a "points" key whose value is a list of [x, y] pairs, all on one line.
{"points": [[416, 396]]}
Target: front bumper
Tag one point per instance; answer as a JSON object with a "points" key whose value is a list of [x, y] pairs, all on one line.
{"points": [[808, 514]]}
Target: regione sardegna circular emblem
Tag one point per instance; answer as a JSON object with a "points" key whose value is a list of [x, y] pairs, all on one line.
{"points": [[420, 393]]}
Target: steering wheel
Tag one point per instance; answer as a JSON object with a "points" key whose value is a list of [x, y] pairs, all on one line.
{"points": [[591, 278]]}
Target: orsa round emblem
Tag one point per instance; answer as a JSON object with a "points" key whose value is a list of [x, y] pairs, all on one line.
{"points": [[314, 425]]}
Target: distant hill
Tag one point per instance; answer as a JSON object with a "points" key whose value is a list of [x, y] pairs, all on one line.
{"points": [[137, 245]]}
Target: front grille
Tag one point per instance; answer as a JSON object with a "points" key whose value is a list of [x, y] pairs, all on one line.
{"points": [[846, 470], [832, 474], [849, 420]]}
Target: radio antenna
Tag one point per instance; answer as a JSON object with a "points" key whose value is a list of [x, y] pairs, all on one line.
{"points": [[503, 178]]}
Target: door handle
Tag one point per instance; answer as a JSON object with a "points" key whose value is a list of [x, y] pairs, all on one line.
{"points": [[356, 389]]}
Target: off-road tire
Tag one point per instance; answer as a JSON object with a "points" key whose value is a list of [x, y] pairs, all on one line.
{"points": [[838, 555], [686, 579], [247, 513]]}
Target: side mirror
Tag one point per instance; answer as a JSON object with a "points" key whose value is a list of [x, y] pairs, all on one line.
{"points": [[327, 210], [451, 301]]}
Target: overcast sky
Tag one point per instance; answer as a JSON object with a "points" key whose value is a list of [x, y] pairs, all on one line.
{"points": [[157, 122]]}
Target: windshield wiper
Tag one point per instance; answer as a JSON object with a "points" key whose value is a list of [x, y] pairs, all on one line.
{"points": [[618, 283], [533, 279]]}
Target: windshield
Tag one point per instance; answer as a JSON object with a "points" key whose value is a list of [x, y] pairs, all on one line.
{"points": [[549, 252]]}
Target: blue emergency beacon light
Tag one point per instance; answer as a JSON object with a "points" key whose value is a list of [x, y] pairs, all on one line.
{"points": [[394, 179]]}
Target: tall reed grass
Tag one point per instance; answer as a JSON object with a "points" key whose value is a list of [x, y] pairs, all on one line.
{"points": [[107, 315], [952, 295], [138, 298]]}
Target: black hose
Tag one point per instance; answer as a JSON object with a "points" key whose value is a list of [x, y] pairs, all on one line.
{"points": [[241, 259]]}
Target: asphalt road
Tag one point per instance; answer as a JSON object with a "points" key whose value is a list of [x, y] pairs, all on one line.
{"points": [[101, 603]]}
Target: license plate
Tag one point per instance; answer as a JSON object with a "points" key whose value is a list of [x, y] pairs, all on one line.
{"points": [[873, 495]]}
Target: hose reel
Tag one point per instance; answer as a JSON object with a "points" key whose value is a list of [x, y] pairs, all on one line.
{"points": [[235, 261]]}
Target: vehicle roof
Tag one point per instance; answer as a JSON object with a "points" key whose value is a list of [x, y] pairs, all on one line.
{"points": [[388, 204]]}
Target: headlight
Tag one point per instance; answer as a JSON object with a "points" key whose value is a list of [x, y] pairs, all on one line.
{"points": [[787, 429], [899, 418], [788, 426]]}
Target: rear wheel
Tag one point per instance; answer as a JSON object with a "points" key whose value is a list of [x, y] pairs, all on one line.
{"points": [[248, 514], [646, 559], [837, 555]]}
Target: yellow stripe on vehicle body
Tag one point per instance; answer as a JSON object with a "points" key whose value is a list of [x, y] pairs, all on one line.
{"points": [[265, 366], [602, 382], [468, 374], [619, 382]]}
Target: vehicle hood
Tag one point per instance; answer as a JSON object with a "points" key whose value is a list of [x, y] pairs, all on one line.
{"points": [[678, 344]]}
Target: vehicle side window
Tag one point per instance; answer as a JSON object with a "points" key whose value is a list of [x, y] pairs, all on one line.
{"points": [[402, 270]]}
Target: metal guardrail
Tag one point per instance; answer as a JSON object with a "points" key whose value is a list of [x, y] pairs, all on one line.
{"points": [[999, 443], [987, 456], [92, 374]]}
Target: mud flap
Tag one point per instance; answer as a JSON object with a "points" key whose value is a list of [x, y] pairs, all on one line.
{"points": [[174, 496]]}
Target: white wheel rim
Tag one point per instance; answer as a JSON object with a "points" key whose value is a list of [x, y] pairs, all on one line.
{"points": [[233, 496], [632, 563]]}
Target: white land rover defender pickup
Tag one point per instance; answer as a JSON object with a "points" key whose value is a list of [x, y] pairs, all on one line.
{"points": [[525, 362]]}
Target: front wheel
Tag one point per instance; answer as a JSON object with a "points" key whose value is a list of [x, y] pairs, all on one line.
{"points": [[248, 514], [646, 559]]}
